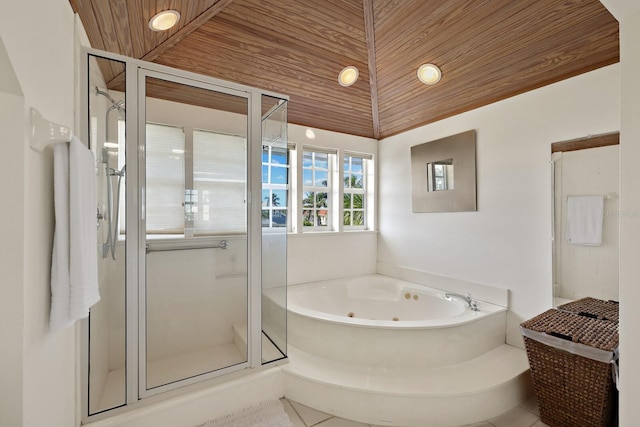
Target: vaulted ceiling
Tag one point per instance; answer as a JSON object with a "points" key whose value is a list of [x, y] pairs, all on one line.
{"points": [[487, 50]]}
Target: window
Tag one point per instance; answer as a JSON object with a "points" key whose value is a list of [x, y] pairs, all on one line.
{"points": [[354, 192], [196, 185], [165, 179], [440, 175], [316, 190], [219, 183], [215, 168], [275, 186]]}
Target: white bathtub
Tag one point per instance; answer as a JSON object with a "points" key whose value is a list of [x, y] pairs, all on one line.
{"points": [[382, 321]]}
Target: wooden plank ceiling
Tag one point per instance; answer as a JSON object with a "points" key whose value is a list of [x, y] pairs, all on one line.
{"points": [[487, 49]]}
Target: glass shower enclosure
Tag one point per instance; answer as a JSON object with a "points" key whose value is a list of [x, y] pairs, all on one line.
{"points": [[192, 232]]}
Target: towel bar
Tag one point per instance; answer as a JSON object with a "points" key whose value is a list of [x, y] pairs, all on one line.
{"points": [[224, 244]]}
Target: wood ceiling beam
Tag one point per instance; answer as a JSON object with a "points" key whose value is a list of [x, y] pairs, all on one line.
{"points": [[74, 5], [212, 11], [180, 35], [371, 54]]}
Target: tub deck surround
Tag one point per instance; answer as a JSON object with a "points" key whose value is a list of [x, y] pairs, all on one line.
{"points": [[445, 365], [456, 395], [479, 291], [391, 347]]}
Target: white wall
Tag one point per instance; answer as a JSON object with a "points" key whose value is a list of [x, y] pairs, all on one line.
{"points": [[194, 298], [628, 14], [12, 254], [330, 255], [581, 270], [324, 256], [39, 39], [506, 243]]}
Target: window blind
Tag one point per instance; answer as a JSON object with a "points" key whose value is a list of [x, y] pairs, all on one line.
{"points": [[219, 178], [164, 179]]}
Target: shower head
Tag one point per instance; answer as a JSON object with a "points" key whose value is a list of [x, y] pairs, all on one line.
{"points": [[105, 94], [116, 172], [119, 105], [115, 105]]}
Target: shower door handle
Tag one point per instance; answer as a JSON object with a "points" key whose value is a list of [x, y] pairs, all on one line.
{"points": [[224, 244]]}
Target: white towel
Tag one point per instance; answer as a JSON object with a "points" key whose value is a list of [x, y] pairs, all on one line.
{"points": [[584, 220], [74, 264]]}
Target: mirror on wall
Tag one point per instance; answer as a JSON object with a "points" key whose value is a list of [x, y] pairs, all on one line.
{"points": [[586, 218], [434, 186]]}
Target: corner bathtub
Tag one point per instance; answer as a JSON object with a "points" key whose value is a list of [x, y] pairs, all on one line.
{"points": [[381, 321]]}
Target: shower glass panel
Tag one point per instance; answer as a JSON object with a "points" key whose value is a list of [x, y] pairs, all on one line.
{"points": [[275, 224], [194, 306], [107, 331]]}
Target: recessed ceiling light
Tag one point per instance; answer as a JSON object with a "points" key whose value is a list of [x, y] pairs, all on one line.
{"points": [[348, 76], [309, 133], [429, 74], [164, 20]]}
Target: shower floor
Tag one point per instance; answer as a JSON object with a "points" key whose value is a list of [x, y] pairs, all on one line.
{"points": [[186, 365]]}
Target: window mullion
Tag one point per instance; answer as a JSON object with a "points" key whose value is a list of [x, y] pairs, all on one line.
{"points": [[339, 189], [299, 190], [188, 182]]}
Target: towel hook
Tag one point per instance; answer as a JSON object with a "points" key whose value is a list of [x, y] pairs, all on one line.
{"points": [[45, 132]]}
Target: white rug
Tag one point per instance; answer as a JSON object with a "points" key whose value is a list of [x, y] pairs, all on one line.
{"points": [[267, 414]]}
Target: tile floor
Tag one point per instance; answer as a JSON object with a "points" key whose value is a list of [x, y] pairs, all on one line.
{"points": [[525, 415]]}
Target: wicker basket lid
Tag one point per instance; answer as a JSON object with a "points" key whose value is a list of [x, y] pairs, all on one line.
{"points": [[578, 329], [592, 307]]}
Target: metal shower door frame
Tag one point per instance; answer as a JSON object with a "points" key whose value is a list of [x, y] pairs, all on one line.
{"points": [[143, 75], [135, 243]]}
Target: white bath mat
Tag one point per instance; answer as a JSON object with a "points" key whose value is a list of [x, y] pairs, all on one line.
{"points": [[267, 414]]}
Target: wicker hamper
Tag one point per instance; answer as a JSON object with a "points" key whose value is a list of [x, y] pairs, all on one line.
{"points": [[571, 359], [595, 308]]}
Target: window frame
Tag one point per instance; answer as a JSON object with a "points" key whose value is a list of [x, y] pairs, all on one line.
{"points": [[295, 190], [191, 198], [352, 191], [304, 189], [159, 234], [271, 187], [223, 183]]}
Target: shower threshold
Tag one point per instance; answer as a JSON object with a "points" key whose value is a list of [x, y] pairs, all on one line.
{"points": [[185, 365]]}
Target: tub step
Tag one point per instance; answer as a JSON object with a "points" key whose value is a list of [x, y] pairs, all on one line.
{"points": [[469, 392]]}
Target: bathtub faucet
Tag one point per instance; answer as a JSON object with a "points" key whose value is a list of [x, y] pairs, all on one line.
{"points": [[473, 304]]}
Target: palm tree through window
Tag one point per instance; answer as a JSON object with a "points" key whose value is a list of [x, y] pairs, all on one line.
{"points": [[316, 187], [354, 191]]}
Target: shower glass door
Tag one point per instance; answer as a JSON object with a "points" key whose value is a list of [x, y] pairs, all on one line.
{"points": [[194, 302], [106, 383], [275, 224]]}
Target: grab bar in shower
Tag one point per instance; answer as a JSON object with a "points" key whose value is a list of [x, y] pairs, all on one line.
{"points": [[224, 244]]}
